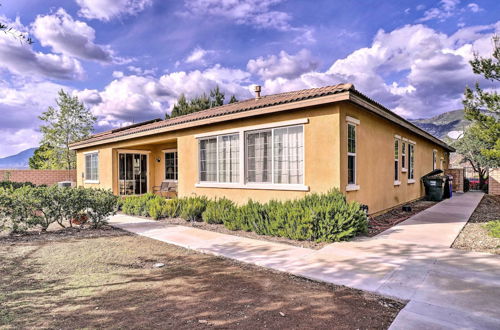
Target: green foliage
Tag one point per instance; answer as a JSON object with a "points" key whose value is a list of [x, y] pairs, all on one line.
{"points": [[15, 185], [493, 228], [137, 205], [44, 158], [233, 99], [316, 217], [219, 211], [69, 122], [172, 208], [192, 208], [155, 207], [483, 108], [202, 102], [101, 203], [28, 206]]}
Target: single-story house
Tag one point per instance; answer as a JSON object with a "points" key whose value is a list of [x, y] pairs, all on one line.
{"points": [[280, 146]]}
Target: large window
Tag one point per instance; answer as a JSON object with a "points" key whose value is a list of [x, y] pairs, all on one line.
{"points": [[171, 166], [133, 173], [219, 159], [275, 155], [92, 167], [411, 161], [351, 154], [268, 156], [396, 160]]}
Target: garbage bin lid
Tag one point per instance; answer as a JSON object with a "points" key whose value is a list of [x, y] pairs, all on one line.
{"points": [[435, 172]]}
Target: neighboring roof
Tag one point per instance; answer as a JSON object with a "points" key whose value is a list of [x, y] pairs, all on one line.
{"points": [[241, 107]]}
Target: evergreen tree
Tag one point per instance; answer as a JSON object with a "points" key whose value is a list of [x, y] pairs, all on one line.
{"points": [[216, 97], [44, 158], [69, 122], [202, 102], [233, 99]]}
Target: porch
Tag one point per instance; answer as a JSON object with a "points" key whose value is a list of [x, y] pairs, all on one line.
{"points": [[148, 168]]}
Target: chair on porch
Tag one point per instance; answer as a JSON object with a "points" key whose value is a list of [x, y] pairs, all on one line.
{"points": [[166, 189]]}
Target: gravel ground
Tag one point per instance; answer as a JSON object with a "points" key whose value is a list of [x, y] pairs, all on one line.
{"points": [[474, 237]]}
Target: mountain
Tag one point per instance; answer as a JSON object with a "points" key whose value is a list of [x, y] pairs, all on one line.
{"points": [[17, 161], [444, 126]]}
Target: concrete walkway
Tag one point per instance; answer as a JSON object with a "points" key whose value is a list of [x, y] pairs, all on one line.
{"points": [[446, 288]]}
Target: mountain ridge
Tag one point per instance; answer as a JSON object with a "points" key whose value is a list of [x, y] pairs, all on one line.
{"points": [[17, 161]]}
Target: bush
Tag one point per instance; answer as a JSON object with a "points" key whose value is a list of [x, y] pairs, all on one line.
{"points": [[219, 211], [319, 217], [15, 185], [27, 206], [137, 205], [173, 208], [493, 228], [192, 208]]}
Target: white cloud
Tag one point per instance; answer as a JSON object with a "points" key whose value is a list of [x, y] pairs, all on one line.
{"points": [[105, 10], [446, 9], [136, 98], [474, 7], [69, 37], [284, 65], [199, 56], [20, 58], [257, 13], [20, 104]]}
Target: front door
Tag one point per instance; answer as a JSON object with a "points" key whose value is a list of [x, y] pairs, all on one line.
{"points": [[133, 170]]}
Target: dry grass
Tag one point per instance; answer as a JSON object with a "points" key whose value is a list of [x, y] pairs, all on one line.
{"points": [[110, 282]]}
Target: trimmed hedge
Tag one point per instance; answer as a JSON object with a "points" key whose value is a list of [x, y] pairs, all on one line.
{"points": [[316, 217], [28, 206], [15, 185]]}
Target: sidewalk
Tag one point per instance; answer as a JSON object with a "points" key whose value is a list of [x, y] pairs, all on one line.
{"points": [[446, 288]]}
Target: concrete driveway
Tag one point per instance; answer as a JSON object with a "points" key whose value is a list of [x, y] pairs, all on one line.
{"points": [[446, 288]]}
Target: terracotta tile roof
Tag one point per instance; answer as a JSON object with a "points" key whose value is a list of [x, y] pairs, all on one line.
{"points": [[246, 105]]}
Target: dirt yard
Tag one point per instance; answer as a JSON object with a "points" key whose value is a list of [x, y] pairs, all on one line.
{"points": [[474, 237], [108, 279]]}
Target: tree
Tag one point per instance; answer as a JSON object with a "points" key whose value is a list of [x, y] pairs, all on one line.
{"points": [[198, 103], [469, 146], [483, 108], [69, 122], [43, 158], [233, 99]]}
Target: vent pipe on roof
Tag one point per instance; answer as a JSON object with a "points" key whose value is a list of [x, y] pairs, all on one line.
{"points": [[257, 89]]}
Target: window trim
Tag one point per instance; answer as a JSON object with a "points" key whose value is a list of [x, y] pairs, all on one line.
{"points": [[397, 177], [242, 182], [90, 153], [411, 166], [434, 159], [166, 151], [350, 121], [404, 143]]}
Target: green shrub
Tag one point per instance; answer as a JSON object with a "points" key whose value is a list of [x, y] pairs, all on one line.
{"points": [[15, 185], [249, 217], [156, 207], [219, 211], [100, 203], [137, 205], [493, 228], [18, 212], [173, 208], [192, 208]]}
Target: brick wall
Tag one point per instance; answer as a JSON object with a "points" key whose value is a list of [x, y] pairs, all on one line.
{"points": [[458, 178], [494, 181], [48, 177]]}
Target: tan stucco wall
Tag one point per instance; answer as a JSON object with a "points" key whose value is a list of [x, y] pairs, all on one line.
{"points": [[321, 171], [325, 165], [375, 161]]}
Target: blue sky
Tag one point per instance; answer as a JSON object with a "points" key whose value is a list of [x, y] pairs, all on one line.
{"points": [[128, 60]]}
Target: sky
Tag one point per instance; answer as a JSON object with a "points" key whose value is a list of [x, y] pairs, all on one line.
{"points": [[129, 60]]}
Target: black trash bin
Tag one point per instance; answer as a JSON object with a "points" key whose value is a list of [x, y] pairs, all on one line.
{"points": [[433, 184]]}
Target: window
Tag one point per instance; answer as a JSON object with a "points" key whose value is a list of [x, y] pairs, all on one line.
{"points": [[275, 155], [434, 159], [92, 167], [219, 159], [351, 154], [396, 160], [403, 156], [411, 162], [171, 166]]}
